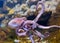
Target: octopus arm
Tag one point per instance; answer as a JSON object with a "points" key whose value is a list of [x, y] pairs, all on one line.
{"points": [[39, 34], [48, 27], [20, 34], [31, 38], [40, 12]]}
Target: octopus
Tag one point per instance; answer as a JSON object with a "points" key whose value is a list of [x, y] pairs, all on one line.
{"points": [[24, 27]]}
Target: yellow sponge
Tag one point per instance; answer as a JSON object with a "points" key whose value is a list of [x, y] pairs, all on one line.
{"points": [[11, 11]]}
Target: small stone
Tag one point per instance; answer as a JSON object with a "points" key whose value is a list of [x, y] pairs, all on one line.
{"points": [[16, 40]]}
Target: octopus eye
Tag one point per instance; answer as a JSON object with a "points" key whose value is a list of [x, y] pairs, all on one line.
{"points": [[20, 30]]}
